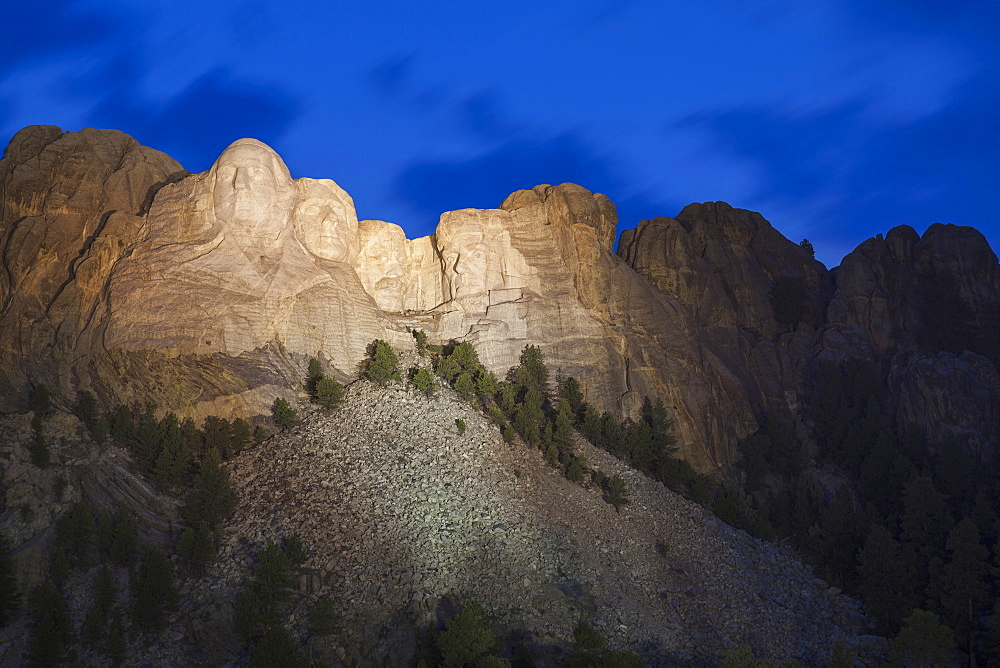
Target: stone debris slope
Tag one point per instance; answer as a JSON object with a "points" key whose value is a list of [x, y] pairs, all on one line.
{"points": [[397, 510]]}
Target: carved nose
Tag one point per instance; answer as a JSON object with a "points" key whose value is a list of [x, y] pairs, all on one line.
{"points": [[242, 180]]}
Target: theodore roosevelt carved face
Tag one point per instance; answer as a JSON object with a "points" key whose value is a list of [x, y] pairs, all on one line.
{"points": [[382, 262]]}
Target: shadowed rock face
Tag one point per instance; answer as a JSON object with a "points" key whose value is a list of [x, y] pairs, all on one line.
{"points": [[207, 293], [909, 295], [70, 207]]}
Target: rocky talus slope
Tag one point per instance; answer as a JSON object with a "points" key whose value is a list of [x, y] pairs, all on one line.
{"points": [[398, 510], [401, 515]]}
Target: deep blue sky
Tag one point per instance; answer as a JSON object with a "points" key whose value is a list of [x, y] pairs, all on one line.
{"points": [[836, 119]]}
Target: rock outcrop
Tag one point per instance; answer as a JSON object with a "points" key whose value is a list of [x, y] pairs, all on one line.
{"points": [[207, 293], [70, 205], [929, 308]]}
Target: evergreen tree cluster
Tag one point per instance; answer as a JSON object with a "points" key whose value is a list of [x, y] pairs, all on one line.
{"points": [[285, 417], [84, 539], [466, 640], [914, 534], [181, 457], [261, 602], [323, 390], [383, 363], [458, 366], [169, 450], [647, 444], [210, 502]]}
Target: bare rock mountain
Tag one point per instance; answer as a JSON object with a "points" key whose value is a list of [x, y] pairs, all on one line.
{"points": [[126, 276]]}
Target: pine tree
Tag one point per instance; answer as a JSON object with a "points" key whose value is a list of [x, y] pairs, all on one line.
{"points": [[217, 434], [420, 337], [10, 597], [212, 498], [51, 626], [96, 623], [466, 356], [241, 435], [122, 424], [284, 415], [278, 647], [468, 639], [569, 389], [258, 602], [590, 423], [528, 415], [383, 365], [465, 386], [447, 368], [124, 539], [313, 376], [86, 409], [486, 384], [74, 531], [835, 540], [884, 579], [616, 492], [154, 591], [925, 524], [923, 641], [423, 381], [116, 646], [329, 392], [197, 547], [532, 372], [965, 578], [104, 589], [323, 617], [93, 626], [562, 433]]}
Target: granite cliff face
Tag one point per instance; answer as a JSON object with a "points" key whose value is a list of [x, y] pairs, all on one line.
{"points": [[207, 293], [928, 308]]}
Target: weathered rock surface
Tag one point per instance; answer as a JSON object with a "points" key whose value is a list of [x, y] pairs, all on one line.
{"points": [[719, 265], [33, 498], [70, 204], [897, 289], [120, 271]]}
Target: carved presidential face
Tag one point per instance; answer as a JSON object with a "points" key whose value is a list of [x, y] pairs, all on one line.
{"points": [[464, 249], [325, 221], [251, 189], [382, 262]]}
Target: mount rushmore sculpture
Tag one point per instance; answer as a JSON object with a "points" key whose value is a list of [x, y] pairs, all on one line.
{"points": [[208, 293]]}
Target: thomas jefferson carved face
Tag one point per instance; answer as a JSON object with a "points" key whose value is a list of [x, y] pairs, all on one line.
{"points": [[325, 221], [381, 263], [251, 190]]}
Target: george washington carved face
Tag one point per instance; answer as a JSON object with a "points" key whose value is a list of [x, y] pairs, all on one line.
{"points": [[252, 190]]}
